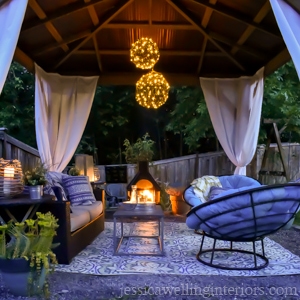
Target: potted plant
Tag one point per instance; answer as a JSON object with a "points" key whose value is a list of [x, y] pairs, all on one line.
{"points": [[26, 257], [35, 179], [74, 171], [141, 150]]}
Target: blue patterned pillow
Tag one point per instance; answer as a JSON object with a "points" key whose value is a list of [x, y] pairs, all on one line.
{"points": [[79, 190]]}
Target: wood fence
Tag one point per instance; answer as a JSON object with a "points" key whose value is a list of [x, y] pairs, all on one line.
{"points": [[181, 169], [11, 148]]}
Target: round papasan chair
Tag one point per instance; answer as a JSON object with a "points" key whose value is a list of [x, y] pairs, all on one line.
{"points": [[238, 208]]}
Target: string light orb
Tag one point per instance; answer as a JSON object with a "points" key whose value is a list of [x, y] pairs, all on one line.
{"points": [[144, 53], [152, 90]]}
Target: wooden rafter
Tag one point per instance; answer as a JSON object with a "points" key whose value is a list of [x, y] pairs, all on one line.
{"points": [[69, 9], [249, 50], [202, 56], [96, 52], [281, 58], [233, 15], [41, 14], [65, 41], [145, 24], [121, 5], [258, 18], [92, 13], [180, 9], [205, 20], [161, 51]]}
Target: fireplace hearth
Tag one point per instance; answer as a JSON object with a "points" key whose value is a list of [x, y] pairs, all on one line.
{"points": [[148, 190]]}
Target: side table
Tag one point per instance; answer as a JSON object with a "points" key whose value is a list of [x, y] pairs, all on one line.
{"points": [[140, 213], [7, 204]]}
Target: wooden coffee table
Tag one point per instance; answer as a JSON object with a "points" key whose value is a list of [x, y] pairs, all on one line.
{"points": [[140, 213]]}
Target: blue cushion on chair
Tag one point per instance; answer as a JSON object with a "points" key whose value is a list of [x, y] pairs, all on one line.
{"points": [[79, 190]]}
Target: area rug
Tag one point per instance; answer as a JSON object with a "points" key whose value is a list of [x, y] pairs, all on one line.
{"points": [[181, 246]]}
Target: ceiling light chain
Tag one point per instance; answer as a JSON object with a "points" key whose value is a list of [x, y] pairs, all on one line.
{"points": [[152, 89]]}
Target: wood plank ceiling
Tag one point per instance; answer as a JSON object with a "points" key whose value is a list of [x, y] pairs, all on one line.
{"points": [[209, 38]]}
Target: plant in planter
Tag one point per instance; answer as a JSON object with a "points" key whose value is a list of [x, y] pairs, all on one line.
{"points": [[35, 179], [141, 150], [74, 171], [26, 257]]}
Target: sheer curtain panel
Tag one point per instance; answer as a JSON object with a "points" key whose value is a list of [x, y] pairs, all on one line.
{"points": [[234, 107], [288, 20], [11, 19], [62, 108]]}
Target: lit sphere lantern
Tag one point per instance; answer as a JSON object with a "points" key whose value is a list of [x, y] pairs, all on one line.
{"points": [[152, 90], [144, 53]]}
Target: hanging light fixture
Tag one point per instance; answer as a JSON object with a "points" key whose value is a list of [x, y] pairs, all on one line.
{"points": [[144, 53], [152, 90]]}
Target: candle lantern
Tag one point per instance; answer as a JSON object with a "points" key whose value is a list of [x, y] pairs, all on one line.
{"points": [[11, 176]]}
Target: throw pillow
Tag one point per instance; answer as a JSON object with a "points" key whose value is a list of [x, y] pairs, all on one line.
{"points": [[215, 191], [79, 190]]}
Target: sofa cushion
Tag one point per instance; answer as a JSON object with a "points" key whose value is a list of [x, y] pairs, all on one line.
{"points": [[94, 210], [79, 190], [55, 179], [79, 219]]}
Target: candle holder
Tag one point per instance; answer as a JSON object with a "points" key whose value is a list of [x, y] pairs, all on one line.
{"points": [[11, 175]]}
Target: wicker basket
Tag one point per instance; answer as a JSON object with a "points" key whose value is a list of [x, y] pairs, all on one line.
{"points": [[11, 175]]}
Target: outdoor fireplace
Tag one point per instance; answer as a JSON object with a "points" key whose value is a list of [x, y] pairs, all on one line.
{"points": [[147, 189]]}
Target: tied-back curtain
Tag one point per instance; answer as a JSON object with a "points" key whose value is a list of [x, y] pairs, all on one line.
{"points": [[288, 21], [62, 108], [234, 107], [11, 18]]}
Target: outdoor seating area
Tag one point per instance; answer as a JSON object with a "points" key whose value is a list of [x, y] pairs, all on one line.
{"points": [[109, 230]]}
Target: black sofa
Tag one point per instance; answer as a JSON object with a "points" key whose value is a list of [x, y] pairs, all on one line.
{"points": [[71, 243]]}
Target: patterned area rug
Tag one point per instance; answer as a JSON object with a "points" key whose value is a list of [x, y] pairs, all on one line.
{"points": [[181, 246]]}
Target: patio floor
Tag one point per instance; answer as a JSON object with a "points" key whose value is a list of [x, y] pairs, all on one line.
{"points": [[73, 286]]}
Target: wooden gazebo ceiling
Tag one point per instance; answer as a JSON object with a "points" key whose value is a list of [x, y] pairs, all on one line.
{"points": [[215, 38]]}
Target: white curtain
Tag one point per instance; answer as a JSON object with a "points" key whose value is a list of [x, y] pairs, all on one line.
{"points": [[62, 108], [288, 21], [234, 107], [11, 18]]}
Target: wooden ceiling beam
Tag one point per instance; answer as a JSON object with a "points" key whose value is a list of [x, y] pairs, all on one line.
{"points": [[180, 9], [233, 15], [280, 59], [161, 51], [204, 22], [23, 59], [145, 24], [229, 42], [70, 39], [92, 13], [249, 30], [41, 14], [68, 9], [106, 19], [96, 52]]}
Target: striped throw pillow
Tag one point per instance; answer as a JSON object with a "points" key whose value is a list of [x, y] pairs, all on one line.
{"points": [[79, 190]]}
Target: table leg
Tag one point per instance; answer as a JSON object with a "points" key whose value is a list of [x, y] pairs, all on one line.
{"points": [[115, 236]]}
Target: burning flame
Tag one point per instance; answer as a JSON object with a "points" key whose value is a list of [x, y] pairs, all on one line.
{"points": [[147, 196]]}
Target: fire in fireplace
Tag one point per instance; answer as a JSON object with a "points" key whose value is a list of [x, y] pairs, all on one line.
{"points": [[147, 189]]}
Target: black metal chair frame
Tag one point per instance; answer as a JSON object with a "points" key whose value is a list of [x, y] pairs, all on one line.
{"points": [[257, 235]]}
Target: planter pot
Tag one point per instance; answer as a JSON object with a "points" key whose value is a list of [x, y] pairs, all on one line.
{"points": [[16, 273], [179, 207], [35, 191]]}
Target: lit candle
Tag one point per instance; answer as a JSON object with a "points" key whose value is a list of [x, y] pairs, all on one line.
{"points": [[9, 173]]}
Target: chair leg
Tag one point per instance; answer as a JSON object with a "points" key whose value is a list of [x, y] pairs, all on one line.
{"points": [[262, 247], [202, 242], [213, 251], [254, 254]]}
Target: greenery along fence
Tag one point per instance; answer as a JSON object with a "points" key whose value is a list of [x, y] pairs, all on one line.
{"points": [[11, 148]]}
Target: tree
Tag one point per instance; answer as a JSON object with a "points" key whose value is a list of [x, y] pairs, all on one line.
{"points": [[17, 104], [190, 119], [282, 101]]}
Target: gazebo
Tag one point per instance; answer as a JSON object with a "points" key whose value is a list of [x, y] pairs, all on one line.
{"points": [[231, 45]]}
